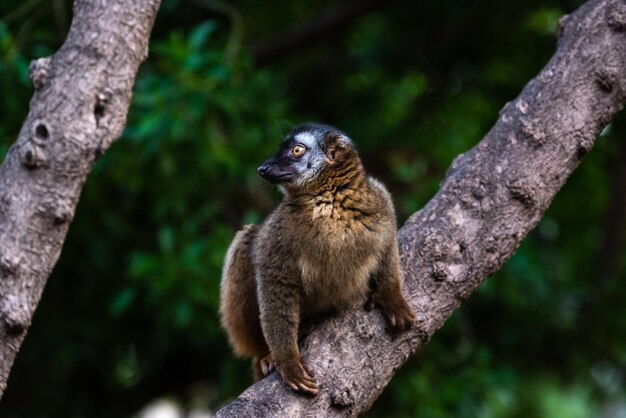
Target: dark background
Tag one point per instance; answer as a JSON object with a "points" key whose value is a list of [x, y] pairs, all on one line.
{"points": [[129, 315]]}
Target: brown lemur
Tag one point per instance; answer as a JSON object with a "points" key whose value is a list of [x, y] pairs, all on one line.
{"points": [[329, 244]]}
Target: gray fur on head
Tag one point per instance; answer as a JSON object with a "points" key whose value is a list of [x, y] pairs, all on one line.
{"points": [[317, 139]]}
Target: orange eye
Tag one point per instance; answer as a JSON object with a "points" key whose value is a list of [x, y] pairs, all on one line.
{"points": [[298, 151]]}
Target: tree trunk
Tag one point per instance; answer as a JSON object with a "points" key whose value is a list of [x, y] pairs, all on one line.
{"points": [[491, 197], [78, 110]]}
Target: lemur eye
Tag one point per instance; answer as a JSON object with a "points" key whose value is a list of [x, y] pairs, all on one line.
{"points": [[298, 150]]}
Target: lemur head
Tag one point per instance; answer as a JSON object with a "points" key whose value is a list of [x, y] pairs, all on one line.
{"points": [[307, 152]]}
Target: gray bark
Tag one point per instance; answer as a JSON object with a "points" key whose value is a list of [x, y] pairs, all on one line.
{"points": [[78, 110], [491, 197]]}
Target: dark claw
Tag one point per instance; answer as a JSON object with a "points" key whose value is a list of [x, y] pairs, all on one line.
{"points": [[267, 365], [401, 318], [297, 378]]}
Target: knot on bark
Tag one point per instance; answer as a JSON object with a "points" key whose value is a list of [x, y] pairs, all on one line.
{"points": [[32, 156], [523, 191], [562, 23], [491, 244], [504, 109], [605, 79], [522, 106], [565, 22], [463, 293], [39, 71], [584, 146], [40, 132], [546, 75], [533, 135], [472, 192], [62, 214], [15, 316], [103, 99], [342, 397], [439, 271], [436, 246], [9, 263], [364, 329], [57, 209], [616, 16]]}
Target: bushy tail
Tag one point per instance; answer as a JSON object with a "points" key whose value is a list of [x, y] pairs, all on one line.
{"points": [[239, 307]]}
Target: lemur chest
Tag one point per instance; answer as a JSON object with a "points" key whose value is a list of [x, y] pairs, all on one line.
{"points": [[333, 284], [336, 259]]}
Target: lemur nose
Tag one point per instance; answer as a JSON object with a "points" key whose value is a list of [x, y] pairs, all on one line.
{"points": [[262, 169]]}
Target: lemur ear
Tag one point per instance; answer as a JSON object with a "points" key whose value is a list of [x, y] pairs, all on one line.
{"points": [[336, 146]]}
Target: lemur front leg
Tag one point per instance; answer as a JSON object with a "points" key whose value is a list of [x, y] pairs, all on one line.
{"points": [[387, 293], [280, 305]]}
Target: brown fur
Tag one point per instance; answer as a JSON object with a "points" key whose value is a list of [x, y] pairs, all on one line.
{"points": [[320, 250]]}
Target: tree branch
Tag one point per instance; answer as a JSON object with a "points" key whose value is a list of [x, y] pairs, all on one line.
{"points": [[78, 110], [491, 197]]}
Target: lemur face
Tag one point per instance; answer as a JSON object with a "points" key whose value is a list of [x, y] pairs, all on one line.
{"points": [[303, 154]]}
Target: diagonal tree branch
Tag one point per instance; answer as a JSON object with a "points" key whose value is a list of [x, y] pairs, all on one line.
{"points": [[78, 110], [491, 197]]}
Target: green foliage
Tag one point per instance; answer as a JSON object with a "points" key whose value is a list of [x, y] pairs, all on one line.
{"points": [[130, 313]]}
